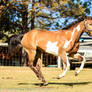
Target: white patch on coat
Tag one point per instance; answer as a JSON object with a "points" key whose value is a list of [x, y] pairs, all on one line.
{"points": [[78, 28], [68, 42], [52, 48]]}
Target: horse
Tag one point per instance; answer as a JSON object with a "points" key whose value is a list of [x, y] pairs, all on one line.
{"points": [[63, 43]]}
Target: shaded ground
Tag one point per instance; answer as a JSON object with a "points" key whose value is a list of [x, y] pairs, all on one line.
{"points": [[22, 79]]}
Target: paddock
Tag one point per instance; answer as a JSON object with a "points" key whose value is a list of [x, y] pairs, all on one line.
{"points": [[22, 79]]}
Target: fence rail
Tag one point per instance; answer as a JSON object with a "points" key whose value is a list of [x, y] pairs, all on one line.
{"points": [[17, 59], [47, 59]]}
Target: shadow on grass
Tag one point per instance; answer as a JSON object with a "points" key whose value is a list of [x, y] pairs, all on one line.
{"points": [[52, 83]]}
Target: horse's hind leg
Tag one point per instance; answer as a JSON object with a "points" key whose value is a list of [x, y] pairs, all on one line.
{"points": [[38, 67], [32, 55]]}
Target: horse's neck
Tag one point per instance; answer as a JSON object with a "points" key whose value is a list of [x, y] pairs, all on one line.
{"points": [[77, 31]]}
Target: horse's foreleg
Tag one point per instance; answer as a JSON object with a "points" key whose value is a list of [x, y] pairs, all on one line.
{"points": [[66, 65], [82, 65]]}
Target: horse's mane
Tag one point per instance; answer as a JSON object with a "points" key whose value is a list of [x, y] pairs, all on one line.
{"points": [[40, 29], [75, 22]]}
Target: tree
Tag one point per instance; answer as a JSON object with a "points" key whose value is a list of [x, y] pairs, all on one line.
{"points": [[47, 12], [18, 16], [13, 16]]}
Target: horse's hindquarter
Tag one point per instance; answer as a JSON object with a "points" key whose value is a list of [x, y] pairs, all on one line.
{"points": [[29, 40]]}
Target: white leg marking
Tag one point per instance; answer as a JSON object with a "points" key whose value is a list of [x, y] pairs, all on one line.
{"points": [[81, 67], [68, 63], [66, 67], [59, 62], [63, 74]]}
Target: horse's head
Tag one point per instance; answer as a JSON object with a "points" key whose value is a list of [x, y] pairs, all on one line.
{"points": [[14, 46], [88, 25]]}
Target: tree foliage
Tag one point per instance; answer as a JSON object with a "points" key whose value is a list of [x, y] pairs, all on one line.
{"points": [[56, 9], [18, 16]]}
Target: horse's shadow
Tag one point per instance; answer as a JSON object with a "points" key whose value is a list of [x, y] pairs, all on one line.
{"points": [[52, 83]]}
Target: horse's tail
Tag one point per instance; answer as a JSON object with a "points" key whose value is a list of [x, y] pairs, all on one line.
{"points": [[19, 38]]}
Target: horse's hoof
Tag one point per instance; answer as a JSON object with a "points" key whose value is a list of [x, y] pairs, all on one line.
{"points": [[44, 84], [76, 74], [58, 77]]}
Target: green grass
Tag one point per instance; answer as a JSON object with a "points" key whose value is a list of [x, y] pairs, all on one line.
{"points": [[22, 79]]}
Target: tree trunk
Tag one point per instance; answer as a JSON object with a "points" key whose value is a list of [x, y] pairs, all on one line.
{"points": [[25, 18], [32, 15]]}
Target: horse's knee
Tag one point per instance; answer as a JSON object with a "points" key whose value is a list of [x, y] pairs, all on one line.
{"points": [[78, 56]]}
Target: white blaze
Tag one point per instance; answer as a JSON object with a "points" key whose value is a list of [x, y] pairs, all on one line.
{"points": [[52, 48]]}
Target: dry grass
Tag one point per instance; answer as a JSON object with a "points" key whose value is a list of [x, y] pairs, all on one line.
{"points": [[22, 79]]}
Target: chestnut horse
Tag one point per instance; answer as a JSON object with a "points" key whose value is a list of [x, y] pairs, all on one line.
{"points": [[62, 43]]}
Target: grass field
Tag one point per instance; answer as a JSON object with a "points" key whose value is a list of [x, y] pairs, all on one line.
{"points": [[22, 79]]}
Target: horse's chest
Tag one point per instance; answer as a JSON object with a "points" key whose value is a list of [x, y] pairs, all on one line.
{"points": [[52, 48]]}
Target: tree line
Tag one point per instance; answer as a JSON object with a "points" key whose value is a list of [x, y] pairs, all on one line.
{"points": [[19, 16]]}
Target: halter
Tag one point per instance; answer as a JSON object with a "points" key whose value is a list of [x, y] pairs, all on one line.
{"points": [[87, 27]]}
